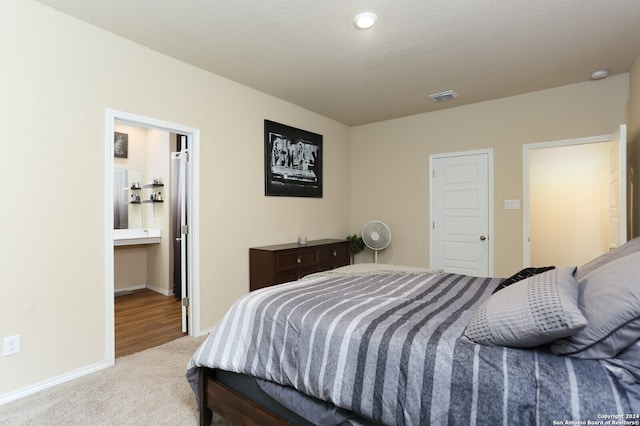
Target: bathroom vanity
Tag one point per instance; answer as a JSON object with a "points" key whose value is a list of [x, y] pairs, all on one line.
{"points": [[130, 237]]}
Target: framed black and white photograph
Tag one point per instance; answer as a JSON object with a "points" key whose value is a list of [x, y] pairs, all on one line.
{"points": [[120, 145], [292, 161]]}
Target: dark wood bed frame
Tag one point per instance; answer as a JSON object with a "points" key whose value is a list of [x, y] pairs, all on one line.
{"points": [[232, 406]]}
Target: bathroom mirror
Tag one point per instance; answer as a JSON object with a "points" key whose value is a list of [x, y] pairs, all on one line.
{"points": [[126, 215]]}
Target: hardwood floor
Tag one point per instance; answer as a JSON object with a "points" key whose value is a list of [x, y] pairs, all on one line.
{"points": [[144, 319]]}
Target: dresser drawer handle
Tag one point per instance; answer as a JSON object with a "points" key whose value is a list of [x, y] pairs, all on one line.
{"points": [[335, 253], [299, 259]]}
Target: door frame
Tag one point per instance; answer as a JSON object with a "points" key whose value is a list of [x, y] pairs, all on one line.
{"points": [[489, 153], [526, 207], [193, 244]]}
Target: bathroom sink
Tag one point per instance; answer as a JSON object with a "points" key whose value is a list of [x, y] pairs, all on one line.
{"points": [[129, 237]]}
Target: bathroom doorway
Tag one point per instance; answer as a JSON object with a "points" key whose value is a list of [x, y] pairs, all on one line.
{"points": [[150, 209]]}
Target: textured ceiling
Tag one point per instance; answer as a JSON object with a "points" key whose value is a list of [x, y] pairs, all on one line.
{"points": [[309, 53]]}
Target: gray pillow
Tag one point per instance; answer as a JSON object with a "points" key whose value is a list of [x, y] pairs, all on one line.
{"points": [[531, 312], [610, 301]]}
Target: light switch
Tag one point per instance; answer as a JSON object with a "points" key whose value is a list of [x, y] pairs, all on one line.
{"points": [[512, 204]]}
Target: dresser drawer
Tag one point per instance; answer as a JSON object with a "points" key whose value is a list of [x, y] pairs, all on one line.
{"points": [[295, 260], [333, 253]]}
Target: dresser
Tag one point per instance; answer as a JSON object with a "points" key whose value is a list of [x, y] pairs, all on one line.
{"points": [[280, 263]]}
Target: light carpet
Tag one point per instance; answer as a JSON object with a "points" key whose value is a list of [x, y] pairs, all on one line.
{"points": [[146, 388]]}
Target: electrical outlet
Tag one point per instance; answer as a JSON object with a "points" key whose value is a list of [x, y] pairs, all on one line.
{"points": [[11, 345]]}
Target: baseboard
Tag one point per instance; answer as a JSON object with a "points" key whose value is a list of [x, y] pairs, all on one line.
{"points": [[123, 291], [206, 331], [160, 290], [20, 393]]}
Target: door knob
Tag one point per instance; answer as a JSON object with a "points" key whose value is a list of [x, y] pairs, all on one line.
{"points": [[482, 238]]}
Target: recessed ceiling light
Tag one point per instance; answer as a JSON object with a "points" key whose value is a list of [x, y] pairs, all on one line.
{"points": [[365, 20], [599, 74]]}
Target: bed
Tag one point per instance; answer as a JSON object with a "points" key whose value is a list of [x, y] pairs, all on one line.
{"points": [[403, 346]]}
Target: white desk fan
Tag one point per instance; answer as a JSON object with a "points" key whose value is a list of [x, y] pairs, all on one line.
{"points": [[377, 236]]}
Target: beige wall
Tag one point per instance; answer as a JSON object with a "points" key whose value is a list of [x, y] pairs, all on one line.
{"points": [[60, 76], [390, 160], [130, 267], [158, 164], [633, 138], [135, 163]]}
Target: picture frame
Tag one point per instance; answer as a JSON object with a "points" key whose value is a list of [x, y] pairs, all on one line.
{"points": [[120, 145], [292, 161]]}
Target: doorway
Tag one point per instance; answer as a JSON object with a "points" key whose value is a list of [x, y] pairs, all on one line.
{"points": [[461, 200], [190, 137], [574, 206]]}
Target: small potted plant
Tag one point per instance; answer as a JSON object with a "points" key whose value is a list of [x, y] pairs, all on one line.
{"points": [[356, 245]]}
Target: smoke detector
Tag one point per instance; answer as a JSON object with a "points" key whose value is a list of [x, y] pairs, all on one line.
{"points": [[599, 74], [443, 96]]}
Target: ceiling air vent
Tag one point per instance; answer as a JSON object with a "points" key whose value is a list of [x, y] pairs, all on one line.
{"points": [[444, 96]]}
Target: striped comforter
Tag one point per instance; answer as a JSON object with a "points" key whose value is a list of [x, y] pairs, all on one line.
{"points": [[388, 347]]}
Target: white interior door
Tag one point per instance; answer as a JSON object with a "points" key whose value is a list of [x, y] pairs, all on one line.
{"points": [[179, 159], [617, 189], [460, 213]]}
